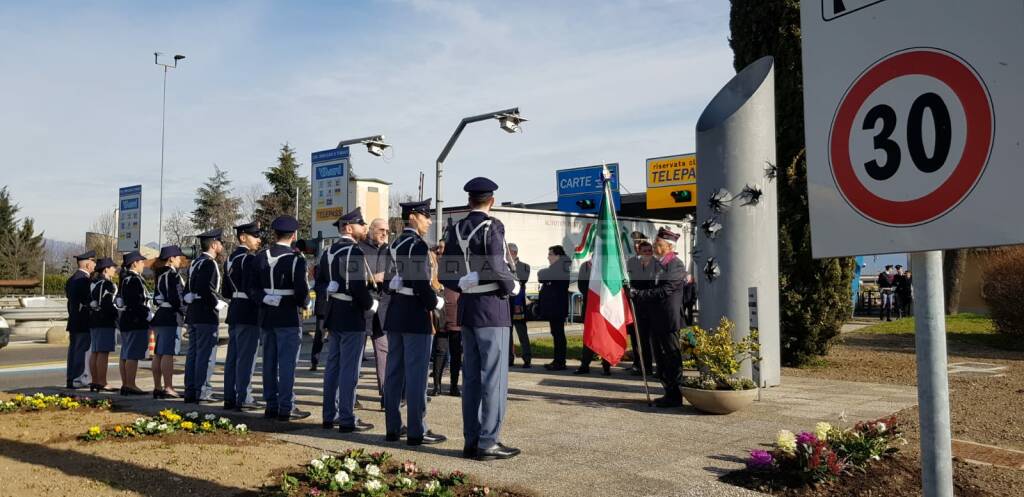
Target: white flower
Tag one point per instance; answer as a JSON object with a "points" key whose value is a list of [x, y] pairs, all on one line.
{"points": [[140, 421], [317, 464], [341, 478], [192, 415], [241, 428], [325, 457], [405, 482], [162, 427], [224, 421], [349, 464], [372, 470], [210, 417], [432, 486], [373, 486], [881, 427], [150, 426]]}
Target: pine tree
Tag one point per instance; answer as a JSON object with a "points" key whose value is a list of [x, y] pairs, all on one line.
{"points": [[814, 293], [216, 207], [21, 249], [285, 180], [8, 211]]}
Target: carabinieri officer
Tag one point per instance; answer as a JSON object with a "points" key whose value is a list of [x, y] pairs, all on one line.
{"points": [[77, 291], [409, 325], [477, 264], [243, 330], [280, 286], [342, 278], [202, 294]]}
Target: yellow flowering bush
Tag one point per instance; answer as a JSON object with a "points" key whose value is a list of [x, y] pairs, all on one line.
{"points": [[717, 357], [41, 401]]}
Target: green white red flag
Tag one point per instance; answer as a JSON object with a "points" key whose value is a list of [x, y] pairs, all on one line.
{"points": [[608, 308]]}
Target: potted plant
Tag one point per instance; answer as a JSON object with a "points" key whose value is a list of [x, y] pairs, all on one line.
{"points": [[717, 359]]}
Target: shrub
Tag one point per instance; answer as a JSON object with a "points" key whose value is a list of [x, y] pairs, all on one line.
{"points": [[1004, 284], [717, 357]]}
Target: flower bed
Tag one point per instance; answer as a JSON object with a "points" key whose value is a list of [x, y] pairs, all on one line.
{"points": [[358, 473], [167, 421], [825, 455], [41, 401]]}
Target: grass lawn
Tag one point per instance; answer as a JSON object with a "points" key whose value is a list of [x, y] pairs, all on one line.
{"points": [[967, 327]]}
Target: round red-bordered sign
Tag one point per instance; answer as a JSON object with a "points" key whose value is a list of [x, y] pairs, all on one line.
{"points": [[980, 125]]}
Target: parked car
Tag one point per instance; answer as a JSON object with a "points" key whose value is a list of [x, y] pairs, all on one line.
{"points": [[5, 333]]}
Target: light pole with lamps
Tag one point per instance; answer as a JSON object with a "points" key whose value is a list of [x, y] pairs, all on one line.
{"points": [[508, 119], [163, 125]]}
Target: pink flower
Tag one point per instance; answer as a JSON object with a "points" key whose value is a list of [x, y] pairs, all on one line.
{"points": [[805, 438], [760, 460]]}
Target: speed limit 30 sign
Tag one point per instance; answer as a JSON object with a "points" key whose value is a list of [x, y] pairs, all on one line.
{"points": [[913, 125]]}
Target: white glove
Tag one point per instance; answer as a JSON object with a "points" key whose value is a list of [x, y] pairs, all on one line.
{"points": [[158, 299], [119, 303], [516, 287], [189, 297], [375, 306], [220, 305], [150, 316], [470, 280], [333, 287], [440, 304], [272, 300], [396, 283], [309, 306], [94, 305]]}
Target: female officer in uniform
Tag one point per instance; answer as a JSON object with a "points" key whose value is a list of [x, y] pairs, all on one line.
{"points": [[102, 320], [166, 322], [134, 322]]}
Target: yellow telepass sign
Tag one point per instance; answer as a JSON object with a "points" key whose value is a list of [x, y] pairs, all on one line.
{"points": [[672, 181]]}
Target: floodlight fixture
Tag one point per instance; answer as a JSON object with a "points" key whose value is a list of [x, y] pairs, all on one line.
{"points": [[510, 121]]}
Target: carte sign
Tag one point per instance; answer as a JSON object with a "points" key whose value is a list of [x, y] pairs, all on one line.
{"points": [[913, 123], [329, 179], [129, 218], [672, 181], [580, 189]]}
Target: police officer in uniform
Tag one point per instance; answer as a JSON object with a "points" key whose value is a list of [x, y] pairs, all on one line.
{"points": [[134, 321], [102, 322], [77, 292], [170, 290], [664, 300], [281, 288], [477, 264], [243, 330], [202, 295], [409, 327], [342, 279]]}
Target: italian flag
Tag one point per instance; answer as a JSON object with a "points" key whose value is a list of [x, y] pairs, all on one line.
{"points": [[608, 310]]}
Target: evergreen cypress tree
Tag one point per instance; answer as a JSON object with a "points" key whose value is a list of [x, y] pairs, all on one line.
{"points": [[285, 180], [21, 249], [814, 293], [216, 207]]}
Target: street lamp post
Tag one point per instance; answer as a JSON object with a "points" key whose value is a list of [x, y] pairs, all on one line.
{"points": [[509, 120], [163, 125]]}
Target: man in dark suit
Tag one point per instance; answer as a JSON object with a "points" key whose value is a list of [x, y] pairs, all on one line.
{"points": [[375, 251], [243, 330], [476, 265], [641, 268], [518, 304], [342, 278], [409, 326], [281, 288], [887, 288], [77, 292], [202, 294], [663, 301]]}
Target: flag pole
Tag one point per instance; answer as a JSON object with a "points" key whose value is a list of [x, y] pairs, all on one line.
{"points": [[632, 308]]}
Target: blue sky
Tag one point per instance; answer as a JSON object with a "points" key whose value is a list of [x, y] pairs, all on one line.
{"points": [[614, 81]]}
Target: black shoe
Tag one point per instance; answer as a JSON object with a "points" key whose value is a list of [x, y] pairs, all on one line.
{"points": [[71, 386], [191, 400], [469, 452], [669, 402], [428, 438], [312, 365], [392, 437], [526, 365], [358, 428], [132, 391], [327, 425], [606, 372], [434, 392], [270, 414], [159, 394], [554, 366], [249, 406], [93, 387], [454, 391], [582, 371], [230, 406], [497, 452], [294, 415]]}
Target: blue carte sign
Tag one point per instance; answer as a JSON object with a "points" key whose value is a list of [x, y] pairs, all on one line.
{"points": [[580, 188], [330, 155]]}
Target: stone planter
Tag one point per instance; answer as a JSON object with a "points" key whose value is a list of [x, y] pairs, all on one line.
{"points": [[719, 401]]}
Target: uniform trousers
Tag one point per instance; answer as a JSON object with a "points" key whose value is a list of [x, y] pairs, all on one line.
{"points": [[200, 361], [280, 357], [523, 332], [78, 347], [485, 384], [670, 361], [243, 343], [408, 360], [341, 376]]}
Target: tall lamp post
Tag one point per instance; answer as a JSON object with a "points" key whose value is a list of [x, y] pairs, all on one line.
{"points": [[508, 119], [163, 125]]}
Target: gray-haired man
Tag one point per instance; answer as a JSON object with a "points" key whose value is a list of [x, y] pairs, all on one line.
{"points": [[517, 304]]}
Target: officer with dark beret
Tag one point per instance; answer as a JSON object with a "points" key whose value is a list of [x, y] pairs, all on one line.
{"points": [[476, 263], [102, 323], [166, 322], [280, 286], [664, 300], [409, 325], [134, 321], [77, 292], [202, 295], [342, 279], [243, 330]]}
